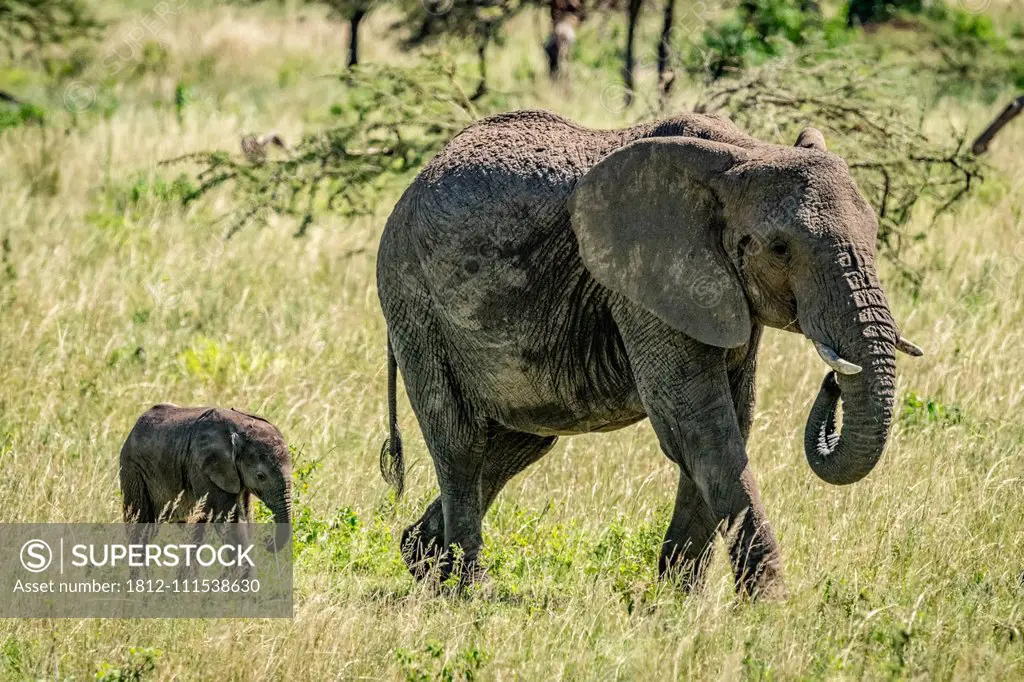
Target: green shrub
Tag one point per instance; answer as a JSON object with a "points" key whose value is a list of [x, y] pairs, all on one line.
{"points": [[140, 665], [15, 117], [761, 30], [877, 11], [144, 192], [919, 411], [432, 662]]}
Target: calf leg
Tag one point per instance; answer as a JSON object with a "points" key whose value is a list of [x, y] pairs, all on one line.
{"points": [[136, 503]]}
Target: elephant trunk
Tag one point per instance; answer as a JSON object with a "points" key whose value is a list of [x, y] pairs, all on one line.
{"points": [[868, 395], [281, 507]]}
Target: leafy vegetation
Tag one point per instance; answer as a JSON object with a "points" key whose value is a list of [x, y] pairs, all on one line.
{"points": [[140, 664], [388, 122], [948, 46], [760, 31], [23, 114], [31, 25], [867, 121]]}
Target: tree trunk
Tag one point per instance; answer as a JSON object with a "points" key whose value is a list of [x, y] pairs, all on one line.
{"points": [[1009, 113], [353, 40], [665, 75], [627, 70], [481, 52]]}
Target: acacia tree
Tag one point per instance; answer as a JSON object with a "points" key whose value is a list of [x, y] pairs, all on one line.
{"points": [[29, 26], [352, 11], [391, 120], [478, 21], [868, 121]]}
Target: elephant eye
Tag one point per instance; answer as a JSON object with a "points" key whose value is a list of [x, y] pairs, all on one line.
{"points": [[780, 248], [261, 476]]}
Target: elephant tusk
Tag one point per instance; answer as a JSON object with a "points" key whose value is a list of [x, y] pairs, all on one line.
{"points": [[908, 347], [833, 360]]}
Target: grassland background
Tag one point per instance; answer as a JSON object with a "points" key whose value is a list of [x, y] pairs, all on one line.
{"points": [[112, 298]]}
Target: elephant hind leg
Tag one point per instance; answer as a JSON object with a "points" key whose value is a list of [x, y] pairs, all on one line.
{"points": [[456, 439], [423, 541], [506, 454]]}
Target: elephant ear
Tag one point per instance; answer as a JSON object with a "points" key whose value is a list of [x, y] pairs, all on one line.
{"points": [[216, 452], [649, 227], [811, 138]]}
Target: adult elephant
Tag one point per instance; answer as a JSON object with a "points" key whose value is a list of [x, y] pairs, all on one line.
{"points": [[542, 279]]}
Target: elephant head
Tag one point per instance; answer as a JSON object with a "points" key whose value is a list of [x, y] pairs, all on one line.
{"points": [[237, 452], [711, 238]]}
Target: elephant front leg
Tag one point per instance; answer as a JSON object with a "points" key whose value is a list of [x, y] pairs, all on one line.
{"points": [[753, 549], [685, 388], [690, 538], [237, 534], [707, 441]]}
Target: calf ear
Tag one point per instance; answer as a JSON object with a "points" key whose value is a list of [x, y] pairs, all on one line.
{"points": [[218, 462], [649, 227]]}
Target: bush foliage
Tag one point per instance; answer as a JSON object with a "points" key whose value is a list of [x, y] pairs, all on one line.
{"points": [[866, 120], [29, 25], [394, 119], [389, 122]]}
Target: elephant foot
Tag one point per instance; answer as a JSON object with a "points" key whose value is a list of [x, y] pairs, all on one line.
{"points": [[765, 588], [426, 555], [687, 572], [423, 542], [761, 580], [458, 572]]}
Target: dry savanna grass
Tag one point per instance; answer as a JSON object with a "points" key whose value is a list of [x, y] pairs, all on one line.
{"points": [[113, 297]]}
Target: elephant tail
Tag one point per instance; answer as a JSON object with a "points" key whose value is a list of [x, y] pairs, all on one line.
{"points": [[392, 461]]}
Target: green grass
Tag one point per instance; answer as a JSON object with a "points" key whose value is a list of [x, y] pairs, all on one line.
{"points": [[113, 297]]}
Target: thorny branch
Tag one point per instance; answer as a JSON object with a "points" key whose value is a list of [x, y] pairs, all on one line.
{"points": [[899, 168], [391, 120], [1012, 110]]}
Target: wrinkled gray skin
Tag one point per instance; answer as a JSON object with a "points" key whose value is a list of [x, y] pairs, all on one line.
{"points": [[176, 456], [542, 279]]}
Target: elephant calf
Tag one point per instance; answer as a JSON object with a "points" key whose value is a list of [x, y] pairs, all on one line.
{"points": [[201, 463]]}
